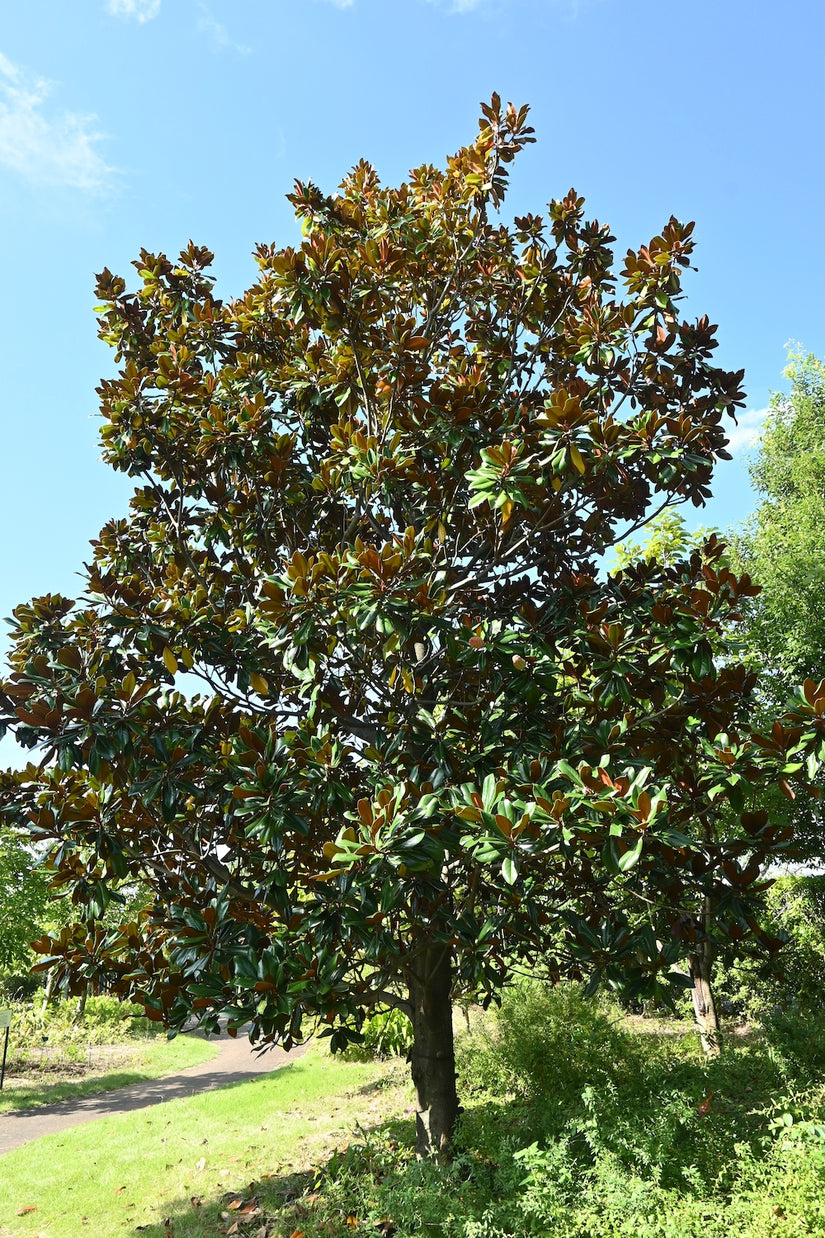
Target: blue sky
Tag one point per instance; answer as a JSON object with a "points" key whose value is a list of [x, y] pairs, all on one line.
{"points": [[129, 123]]}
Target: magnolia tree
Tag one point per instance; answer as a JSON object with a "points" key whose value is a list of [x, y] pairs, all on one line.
{"points": [[348, 689]]}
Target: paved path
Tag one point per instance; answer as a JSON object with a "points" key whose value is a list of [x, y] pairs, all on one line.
{"points": [[234, 1063]]}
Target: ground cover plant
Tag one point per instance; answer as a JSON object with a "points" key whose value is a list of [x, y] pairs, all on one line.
{"points": [[347, 692], [580, 1122]]}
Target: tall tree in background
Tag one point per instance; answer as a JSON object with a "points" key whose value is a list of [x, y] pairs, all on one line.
{"points": [[24, 899], [347, 689], [783, 547], [785, 538]]}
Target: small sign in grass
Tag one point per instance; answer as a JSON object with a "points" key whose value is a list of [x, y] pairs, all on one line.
{"points": [[5, 1021]]}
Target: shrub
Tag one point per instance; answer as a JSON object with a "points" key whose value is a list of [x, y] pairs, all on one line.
{"points": [[582, 1124], [18, 987], [794, 980], [545, 1043], [383, 1035]]}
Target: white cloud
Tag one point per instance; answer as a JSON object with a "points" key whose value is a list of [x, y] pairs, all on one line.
{"points": [[747, 430], [461, 6], [141, 10], [218, 33], [43, 144], [455, 6]]}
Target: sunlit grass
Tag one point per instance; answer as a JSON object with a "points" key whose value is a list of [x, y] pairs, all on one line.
{"points": [[185, 1159]]}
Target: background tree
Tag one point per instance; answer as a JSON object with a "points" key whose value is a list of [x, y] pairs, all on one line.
{"points": [[783, 546], [666, 539], [24, 899], [785, 537], [347, 688]]}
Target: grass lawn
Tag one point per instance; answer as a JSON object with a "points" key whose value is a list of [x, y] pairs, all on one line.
{"points": [[174, 1168], [113, 1066]]}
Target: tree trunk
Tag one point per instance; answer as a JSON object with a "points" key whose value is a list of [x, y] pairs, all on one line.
{"points": [[81, 1004], [433, 1052], [704, 1003], [51, 979]]}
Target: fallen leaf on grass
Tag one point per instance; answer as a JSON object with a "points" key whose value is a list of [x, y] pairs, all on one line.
{"points": [[24, 1212], [703, 1109], [119, 1189], [246, 1207]]}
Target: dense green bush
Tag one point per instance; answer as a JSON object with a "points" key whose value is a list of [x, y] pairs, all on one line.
{"points": [[19, 987], [383, 1035], [796, 906], [544, 1043], [582, 1123], [794, 980]]}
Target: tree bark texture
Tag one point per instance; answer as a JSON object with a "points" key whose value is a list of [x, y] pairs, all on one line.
{"points": [[704, 1003], [51, 980], [433, 1052]]}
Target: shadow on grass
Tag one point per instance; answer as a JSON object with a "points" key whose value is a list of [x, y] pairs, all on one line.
{"points": [[298, 1201], [143, 1091], [46, 1095]]}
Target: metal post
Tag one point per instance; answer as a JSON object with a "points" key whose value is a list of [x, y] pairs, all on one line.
{"points": [[5, 1050]]}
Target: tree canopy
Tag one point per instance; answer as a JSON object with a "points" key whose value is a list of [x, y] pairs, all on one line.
{"points": [[784, 540], [348, 687], [783, 546]]}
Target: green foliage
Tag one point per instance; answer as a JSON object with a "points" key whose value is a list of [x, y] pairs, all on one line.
{"points": [[544, 1043], [44, 1037], [24, 898], [783, 544], [640, 1137], [621, 1128], [794, 979], [797, 906], [383, 1035], [666, 541]]}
